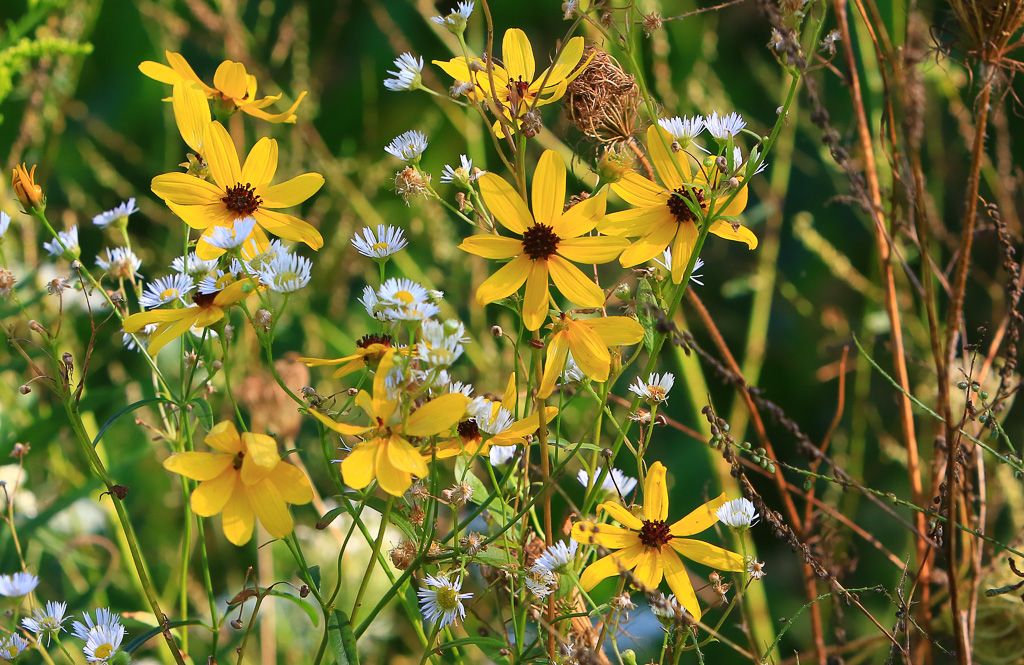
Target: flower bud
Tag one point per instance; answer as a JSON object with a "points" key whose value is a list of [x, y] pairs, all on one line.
{"points": [[263, 319], [24, 389], [613, 165], [28, 192], [36, 327], [622, 292], [497, 331]]}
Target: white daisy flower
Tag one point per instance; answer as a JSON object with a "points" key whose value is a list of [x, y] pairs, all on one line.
{"points": [[48, 621], [655, 389], [668, 609], [104, 619], [5, 222], [258, 259], [557, 557], [739, 514], [490, 417], [568, 8], [103, 642], [120, 263], [409, 74], [119, 214], [193, 266], [737, 160], [666, 262], [13, 646], [460, 387], [419, 311], [18, 584], [571, 373], [371, 303], [232, 237], [408, 146], [499, 455], [456, 21], [724, 127], [165, 290], [387, 241], [460, 88], [442, 600], [540, 582], [460, 175], [68, 238], [286, 273], [219, 279], [399, 291], [684, 129], [142, 336], [755, 569], [615, 481]]}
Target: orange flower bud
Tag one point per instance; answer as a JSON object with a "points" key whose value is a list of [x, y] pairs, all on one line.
{"points": [[29, 193]]}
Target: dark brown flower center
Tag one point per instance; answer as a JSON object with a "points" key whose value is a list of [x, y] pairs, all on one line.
{"points": [[655, 533], [366, 341], [241, 200], [236, 463], [540, 241], [468, 429], [204, 299], [677, 203]]}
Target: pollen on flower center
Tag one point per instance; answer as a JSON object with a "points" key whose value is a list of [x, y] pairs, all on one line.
{"points": [[540, 241], [468, 429], [242, 200], [447, 598], [677, 203], [655, 533]]}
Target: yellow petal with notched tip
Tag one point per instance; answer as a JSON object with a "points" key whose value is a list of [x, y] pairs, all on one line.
{"points": [[549, 188], [673, 168], [403, 455], [606, 535], [611, 565], [289, 227], [291, 192], [260, 166], [437, 415], [708, 554], [191, 113], [589, 351], [554, 363], [535, 302], [505, 281], [237, 517], [572, 283], [231, 79], [184, 189], [649, 246], [638, 191], [616, 330], [492, 247], [724, 229], [224, 437], [517, 55], [649, 570], [358, 469], [391, 479], [210, 497], [679, 581], [656, 493], [682, 249], [292, 483], [582, 218], [703, 517], [621, 515]]}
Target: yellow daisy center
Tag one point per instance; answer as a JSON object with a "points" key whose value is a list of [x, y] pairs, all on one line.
{"points": [[677, 203], [657, 393], [103, 651], [655, 533], [447, 599], [405, 297], [540, 241], [169, 293], [241, 200]]}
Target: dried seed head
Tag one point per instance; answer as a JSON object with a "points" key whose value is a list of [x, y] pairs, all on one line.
{"points": [[263, 319], [410, 184], [36, 327], [603, 100], [402, 555], [472, 544], [652, 22], [7, 281], [496, 331]]}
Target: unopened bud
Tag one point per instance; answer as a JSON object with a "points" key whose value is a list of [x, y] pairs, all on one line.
{"points": [[537, 343], [497, 331], [532, 124], [622, 292], [68, 359], [722, 164], [217, 365], [228, 332], [303, 591], [24, 389], [23, 181], [733, 183], [237, 624], [37, 327], [263, 319], [76, 265], [352, 392]]}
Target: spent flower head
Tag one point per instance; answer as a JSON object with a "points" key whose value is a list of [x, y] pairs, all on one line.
{"points": [[119, 263], [408, 146], [18, 584], [441, 601], [48, 621], [755, 569], [539, 581], [460, 175], [408, 74], [386, 241], [740, 514], [117, 216]]}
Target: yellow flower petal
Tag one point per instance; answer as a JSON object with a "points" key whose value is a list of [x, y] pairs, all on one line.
{"points": [[237, 518], [289, 228], [198, 466], [164, 335], [708, 554], [606, 535], [621, 515], [231, 79], [185, 71], [517, 55], [616, 330], [682, 249], [679, 581], [210, 497], [592, 249], [610, 565], [140, 320], [492, 247], [221, 156], [260, 167], [582, 218], [567, 60], [589, 351], [573, 284], [668, 164], [656, 493], [637, 221], [638, 191], [737, 205], [357, 470], [649, 246], [158, 72], [340, 428], [403, 455], [261, 449], [291, 192], [703, 517], [191, 113], [203, 216], [505, 281], [224, 437], [535, 303], [437, 415], [292, 483], [270, 508], [184, 189], [508, 398], [724, 229], [548, 187], [517, 432], [554, 363], [505, 203], [391, 479], [287, 116], [649, 571]]}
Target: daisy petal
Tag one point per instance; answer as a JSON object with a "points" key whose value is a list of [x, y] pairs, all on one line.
{"points": [[703, 517], [554, 362], [605, 535], [292, 483], [492, 247], [185, 189], [402, 455], [649, 569], [637, 190], [710, 555], [668, 164], [724, 229], [679, 581], [437, 415], [589, 352], [517, 54], [621, 515], [656, 493], [649, 246], [616, 330], [610, 565], [737, 205], [289, 228], [231, 79], [682, 247], [592, 249]]}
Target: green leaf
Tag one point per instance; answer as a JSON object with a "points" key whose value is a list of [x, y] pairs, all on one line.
{"points": [[132, 646], [343, 640], [329, 517], [646, 308], [395, 517], [306, 607], [203, 413], [314, 574], [125, 410]]}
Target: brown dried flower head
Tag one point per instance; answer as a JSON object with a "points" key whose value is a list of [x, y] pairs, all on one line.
{"points": [[603, 100]]}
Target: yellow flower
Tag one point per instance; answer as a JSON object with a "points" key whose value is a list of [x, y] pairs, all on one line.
{"points": [[239, 192], [516, 89], [232, 86], [550, 240], [245, 478], [589, 341], [370, 349], [650, 547], [192, 115], [387, 455], [207, 309], [496, 421], [661, 216], [31, 196]]}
